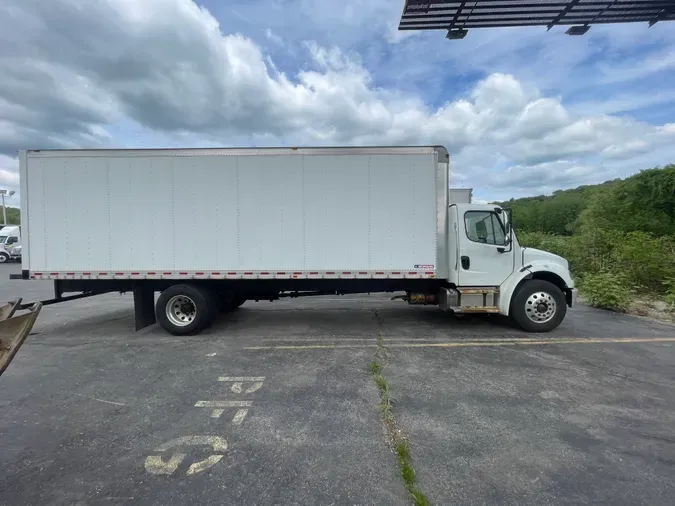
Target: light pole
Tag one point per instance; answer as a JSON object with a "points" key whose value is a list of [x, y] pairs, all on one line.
{"points": [[4, 210]]}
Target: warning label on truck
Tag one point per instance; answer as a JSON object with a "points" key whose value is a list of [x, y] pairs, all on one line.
{"points": [[424, 266]]}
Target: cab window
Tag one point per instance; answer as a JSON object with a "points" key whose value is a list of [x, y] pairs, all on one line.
{"points": [[484, 227]]}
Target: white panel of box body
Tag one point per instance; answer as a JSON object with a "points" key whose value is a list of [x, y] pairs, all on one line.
{"points": [[339, 209]]}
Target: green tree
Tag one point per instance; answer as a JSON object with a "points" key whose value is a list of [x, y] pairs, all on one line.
{"points": [[13, 215], [644, 202]]}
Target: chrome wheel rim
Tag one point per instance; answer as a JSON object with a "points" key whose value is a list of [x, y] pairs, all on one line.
{"points": [[181, 310], [540, 307]]}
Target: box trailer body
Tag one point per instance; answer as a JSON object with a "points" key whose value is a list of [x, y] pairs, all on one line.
{"points": [[236, 213], [212, 228]]}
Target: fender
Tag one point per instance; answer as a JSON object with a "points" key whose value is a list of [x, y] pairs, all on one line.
{"points": [[508, 287]]}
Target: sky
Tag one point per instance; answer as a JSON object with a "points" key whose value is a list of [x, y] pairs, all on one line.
{"points": [[522, 111]]}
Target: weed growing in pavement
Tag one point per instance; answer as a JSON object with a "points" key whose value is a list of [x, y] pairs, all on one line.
{"points": [[396, 437]]}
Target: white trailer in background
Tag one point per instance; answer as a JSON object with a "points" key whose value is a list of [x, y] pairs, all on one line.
{"points": [[276, 222], [460, 195]]}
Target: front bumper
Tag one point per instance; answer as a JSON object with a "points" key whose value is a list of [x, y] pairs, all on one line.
{"points": [[571, 296]]}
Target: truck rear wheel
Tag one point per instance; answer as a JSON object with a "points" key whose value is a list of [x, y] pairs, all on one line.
{"points": [[184, 309], [538, 306]]}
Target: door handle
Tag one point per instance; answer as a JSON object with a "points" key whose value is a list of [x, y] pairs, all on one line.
{"points": [[466, 263]]}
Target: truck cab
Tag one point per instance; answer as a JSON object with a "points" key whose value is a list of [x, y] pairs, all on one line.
{"points": [[490, 272]]}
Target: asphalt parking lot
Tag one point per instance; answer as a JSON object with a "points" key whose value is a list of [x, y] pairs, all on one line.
{"points": [[275, 404]]}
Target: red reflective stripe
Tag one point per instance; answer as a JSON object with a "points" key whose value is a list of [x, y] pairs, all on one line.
{"points": [[119, 274], [313, 273], [135, 273], [232, 273], [281, 273], [379, 273], [396, 272], [346, 272], [70, 273], [151, 273], [182, 273], [38, 273], [215, 274], [53, 273], [102, 273], [331, 272], [167, 274], [412, 272], [363, 273], [199, 273], [429, 272], [248, 274], [297, 273], [86, 273]]}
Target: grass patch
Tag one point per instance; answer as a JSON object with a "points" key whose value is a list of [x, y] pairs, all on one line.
{"points": [[396, 437]]}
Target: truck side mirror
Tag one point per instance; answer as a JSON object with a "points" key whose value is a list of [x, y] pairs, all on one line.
{"points": [[508, 231]]}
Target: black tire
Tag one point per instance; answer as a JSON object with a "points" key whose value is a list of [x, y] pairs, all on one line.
{"points": [[534, 316], [4, 258], [189, 297]]}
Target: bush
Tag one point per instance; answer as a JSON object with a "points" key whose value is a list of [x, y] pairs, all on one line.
{"points": [[606, 290], [670, 293], [558, 244]]}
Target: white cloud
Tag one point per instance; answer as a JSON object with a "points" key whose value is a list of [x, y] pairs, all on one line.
{"points": [[273, 37], [165, 65], [9, 178]]}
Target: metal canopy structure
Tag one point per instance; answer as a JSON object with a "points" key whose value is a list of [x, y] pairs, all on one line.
{"points": [[458, 16]]}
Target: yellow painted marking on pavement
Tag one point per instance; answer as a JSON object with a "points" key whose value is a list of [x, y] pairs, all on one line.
{"points": [[239, 416], [203, 465], [362, 339], [217, 443], [237, 387], [216, 413], [469, 344], [154, 464], [224, 404], [241, 378]]}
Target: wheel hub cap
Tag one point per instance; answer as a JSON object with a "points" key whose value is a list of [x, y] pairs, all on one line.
{"points": [[540, 307], [181, 310]]}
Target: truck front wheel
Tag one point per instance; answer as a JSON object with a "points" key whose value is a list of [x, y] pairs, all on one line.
{"points": [[4, 258], [184, 309], [538, 306]]}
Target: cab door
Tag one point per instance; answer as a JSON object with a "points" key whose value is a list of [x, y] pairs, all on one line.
{"points": [[485, 258], [453, 245]]}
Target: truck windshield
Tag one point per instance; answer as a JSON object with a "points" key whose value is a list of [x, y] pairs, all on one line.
{"points": [[3, 239]]}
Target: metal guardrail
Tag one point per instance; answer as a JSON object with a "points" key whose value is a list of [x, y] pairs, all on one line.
{"points": [[15, 329]]}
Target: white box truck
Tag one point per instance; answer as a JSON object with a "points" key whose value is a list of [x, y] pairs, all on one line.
{"points": [[212, 228], [10, 243]]}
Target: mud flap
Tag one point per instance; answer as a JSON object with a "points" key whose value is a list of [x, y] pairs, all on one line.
{"points": [[14, 329]]}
